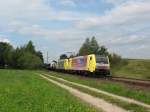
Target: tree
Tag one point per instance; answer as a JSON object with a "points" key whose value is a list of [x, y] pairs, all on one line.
{"points": [[92, 47], [30, 47], [116, 60], [18, 53], [29, 61], [63, 56], [40, 55], [6, 51], [103, 51], [24, 57], [85, 48]]}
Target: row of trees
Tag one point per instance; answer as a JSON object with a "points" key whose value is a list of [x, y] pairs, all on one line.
{"points": [[91, 46], [24, 57]]}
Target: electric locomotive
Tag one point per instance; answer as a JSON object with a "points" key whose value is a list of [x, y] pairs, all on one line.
{"points": [[95, 64]]}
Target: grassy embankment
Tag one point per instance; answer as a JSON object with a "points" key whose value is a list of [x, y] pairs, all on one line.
{"points": [[24, 91], [135, 68], [112, 87]]}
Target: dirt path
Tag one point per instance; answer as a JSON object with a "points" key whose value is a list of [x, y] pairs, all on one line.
{"points": [[96, 102], [129, 100]]}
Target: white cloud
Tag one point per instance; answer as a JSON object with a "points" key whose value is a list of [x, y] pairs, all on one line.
{"points": [[118, 2], [116, 27], [23, 8], [115, 2], [34, 11], [123, 27], [125, 14], [128, 40], [69, 3], [38, 31], [4, 39]]}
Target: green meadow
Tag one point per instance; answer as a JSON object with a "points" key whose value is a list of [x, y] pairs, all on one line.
{"points": [[135, 68], [25, 91], [121, 89]]}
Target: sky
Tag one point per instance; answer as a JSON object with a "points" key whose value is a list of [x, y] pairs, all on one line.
{"points": [[60, 26]]}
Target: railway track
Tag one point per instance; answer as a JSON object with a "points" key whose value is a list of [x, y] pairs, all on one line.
{"points": [[133, 81], [129, 81]]}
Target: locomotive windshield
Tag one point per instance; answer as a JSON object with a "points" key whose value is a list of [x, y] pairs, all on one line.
{"points": [[101, 59]]}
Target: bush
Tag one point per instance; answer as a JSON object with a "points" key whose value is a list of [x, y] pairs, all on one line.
{"points": [[116, 60], [29, 61], [24, 57]]}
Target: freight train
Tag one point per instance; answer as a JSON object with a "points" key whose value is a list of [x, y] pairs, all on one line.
{"points": [[89, 64]]}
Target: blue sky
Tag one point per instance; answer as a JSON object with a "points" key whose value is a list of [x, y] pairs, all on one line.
{"points": [[60, 26]]}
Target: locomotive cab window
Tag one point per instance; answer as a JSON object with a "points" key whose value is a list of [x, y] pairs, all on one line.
{"points": [[90, 58], [101, 59]]}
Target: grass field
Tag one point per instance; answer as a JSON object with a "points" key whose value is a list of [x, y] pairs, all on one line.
{"points": [[136, 68], [112, 87], [24, 91], [127, 106]]}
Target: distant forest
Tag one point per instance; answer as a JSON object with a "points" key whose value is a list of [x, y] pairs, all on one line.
{"points": [[24, 57]]}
